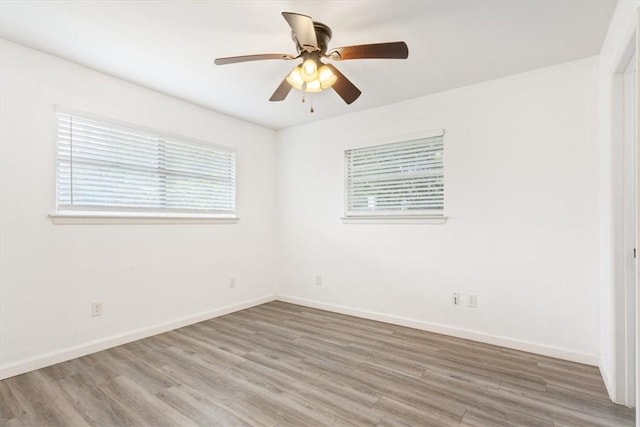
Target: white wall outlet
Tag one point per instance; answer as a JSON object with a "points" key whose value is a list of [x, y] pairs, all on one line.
{"points": [[472, 301], [232, 282], [318, 280], [96, 308], [455, 298]]}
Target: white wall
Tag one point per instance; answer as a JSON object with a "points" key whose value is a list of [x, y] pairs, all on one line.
{"points": [[521, 181], [619, 34], [150, 277]]}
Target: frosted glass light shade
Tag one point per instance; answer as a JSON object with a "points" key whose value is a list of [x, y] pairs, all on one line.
{"points": [[313, 86], [326, 77], [309, 70], [295, 78]]}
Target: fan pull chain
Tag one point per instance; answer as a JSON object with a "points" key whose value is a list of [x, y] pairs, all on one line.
{"points": [[304, 90]]}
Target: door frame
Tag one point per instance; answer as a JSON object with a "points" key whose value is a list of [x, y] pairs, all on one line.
{"points": [[625, 229], [637, 196]]}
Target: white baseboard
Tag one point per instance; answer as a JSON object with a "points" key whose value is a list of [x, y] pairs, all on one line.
{"points": [[608, 383], [616, 395], [17, 368], [515, 344]]}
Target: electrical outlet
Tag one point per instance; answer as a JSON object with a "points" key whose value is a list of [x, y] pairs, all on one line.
{"points": [[472, 301], [96, 308], [232, 282], [455, 298], [318, 280]]}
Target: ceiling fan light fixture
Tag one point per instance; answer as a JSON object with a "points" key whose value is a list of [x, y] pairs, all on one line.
{"points": [[309, 70], [326, 77], [295, 78], [311, 40], [313, 86]]}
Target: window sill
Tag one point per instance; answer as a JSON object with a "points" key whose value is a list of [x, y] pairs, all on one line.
{"points": [[394, 219], [132, 218]]}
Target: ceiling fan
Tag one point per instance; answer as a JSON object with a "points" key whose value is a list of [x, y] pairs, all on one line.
{"points": [[313, 75]]}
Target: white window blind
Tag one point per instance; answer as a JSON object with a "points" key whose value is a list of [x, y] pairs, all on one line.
{"points": [[402, 178], [107, 167]]}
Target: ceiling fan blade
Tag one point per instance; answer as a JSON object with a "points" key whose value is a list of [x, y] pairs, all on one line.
{"points": [[281, 92], [303, 30], [343, 86], [392, 50], [247, 58]]}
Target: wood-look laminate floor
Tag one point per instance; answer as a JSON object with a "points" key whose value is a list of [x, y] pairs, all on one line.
{"points": [[286, 365]]}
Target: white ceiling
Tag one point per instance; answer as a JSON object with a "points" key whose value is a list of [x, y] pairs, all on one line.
{"points": [[169, 46]]}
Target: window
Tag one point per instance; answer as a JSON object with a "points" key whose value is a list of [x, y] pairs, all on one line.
{"points": [[107, 167], [400, 179]]}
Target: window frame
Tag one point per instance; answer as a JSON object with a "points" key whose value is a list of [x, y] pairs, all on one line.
{"points": [[391, 217], [126, 215]]}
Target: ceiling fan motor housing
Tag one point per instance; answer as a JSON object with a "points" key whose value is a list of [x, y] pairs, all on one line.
{"points": [[323, 36]]}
